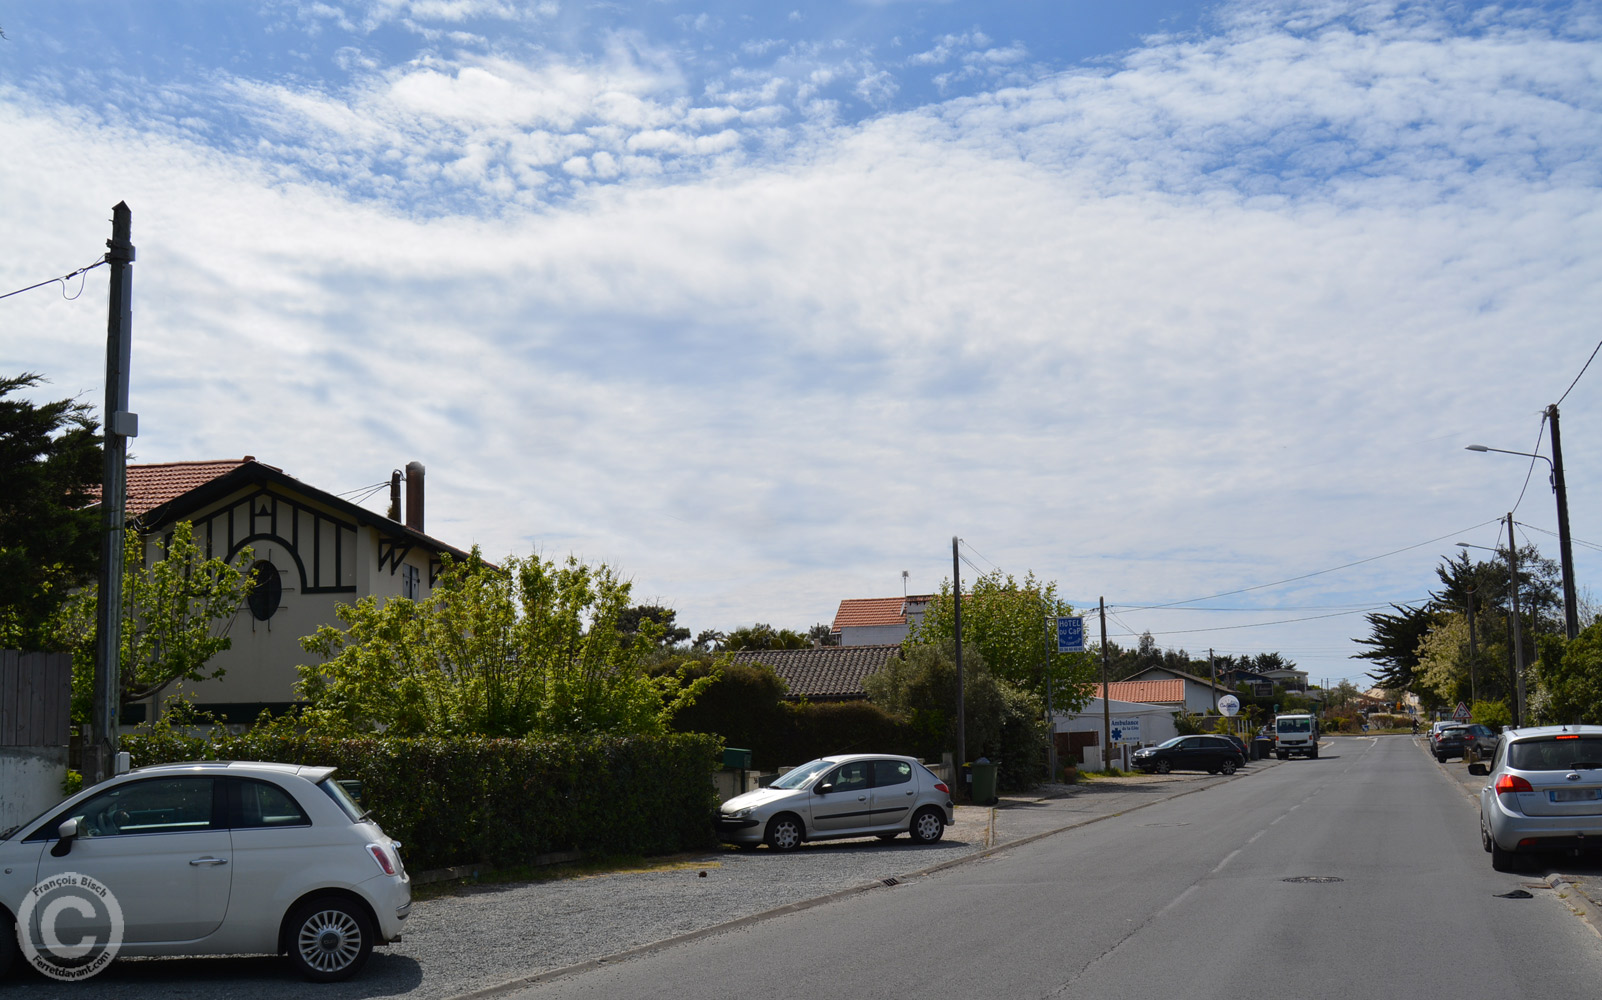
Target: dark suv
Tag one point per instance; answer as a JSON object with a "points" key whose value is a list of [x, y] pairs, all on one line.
{"points": [[1190, 753], [1453, 741]]}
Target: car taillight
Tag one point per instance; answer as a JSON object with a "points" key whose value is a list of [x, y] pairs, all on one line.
{"points": [[382, 857], [940, 786], [1509, 784]]}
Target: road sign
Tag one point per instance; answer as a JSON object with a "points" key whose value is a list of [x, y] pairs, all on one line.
{"points": [[1462, 713], [1229, 704], [1071, 635]]}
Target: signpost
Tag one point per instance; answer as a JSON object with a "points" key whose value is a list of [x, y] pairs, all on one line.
{"points": [[1071, 635], [1462, 713]]}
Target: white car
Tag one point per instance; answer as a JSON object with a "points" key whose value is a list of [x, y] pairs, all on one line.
{"points": [[856, 795], [205, 858]]}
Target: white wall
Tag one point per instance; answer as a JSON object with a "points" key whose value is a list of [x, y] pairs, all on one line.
{"points": [[30, 782]]}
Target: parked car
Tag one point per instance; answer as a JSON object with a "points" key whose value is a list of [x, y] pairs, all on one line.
{"points": [[215, 858], [1190, 753], [854, 795], [1543, 793], [1454, 741]]}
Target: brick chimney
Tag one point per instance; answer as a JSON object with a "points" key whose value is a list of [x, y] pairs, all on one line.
{"points": [[414, 495]]}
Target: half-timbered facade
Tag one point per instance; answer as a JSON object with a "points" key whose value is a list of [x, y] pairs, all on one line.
{"points": [[310, 551]]}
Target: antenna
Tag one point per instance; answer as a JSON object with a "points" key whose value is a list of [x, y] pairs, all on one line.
{"points": [[904, 585]]}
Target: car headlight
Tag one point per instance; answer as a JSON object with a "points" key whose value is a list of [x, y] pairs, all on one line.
{"points": [[739, 813]]}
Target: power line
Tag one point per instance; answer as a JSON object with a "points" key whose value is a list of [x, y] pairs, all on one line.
{"points": [[1535, 454], [63, 279], [1582, 372]]}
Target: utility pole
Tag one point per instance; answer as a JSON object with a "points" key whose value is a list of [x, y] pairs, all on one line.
{"points": [[1106, 704], [1518, 628], [1571, 612], [1045, 668], [120, 425], [1474, 674], [1212, 664], [956, 628]]}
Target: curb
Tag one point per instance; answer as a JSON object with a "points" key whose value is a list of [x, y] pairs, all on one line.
{"points": [[550, 975]]}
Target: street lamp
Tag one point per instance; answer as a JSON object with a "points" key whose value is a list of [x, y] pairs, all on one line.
{"points": [[1518, 629], [1571, 613]]}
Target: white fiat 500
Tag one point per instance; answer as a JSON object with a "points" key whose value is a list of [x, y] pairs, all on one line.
{"points": [[206, 858], [858, 795]]}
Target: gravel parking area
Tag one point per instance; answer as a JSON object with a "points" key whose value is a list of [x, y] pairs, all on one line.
{"points": [[490, 936]]}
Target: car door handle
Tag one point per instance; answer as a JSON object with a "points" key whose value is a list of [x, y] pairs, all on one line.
{"points": [[208, 861]]}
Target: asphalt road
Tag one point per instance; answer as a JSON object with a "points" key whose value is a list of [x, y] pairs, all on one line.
{"points": [[1360, 870]]}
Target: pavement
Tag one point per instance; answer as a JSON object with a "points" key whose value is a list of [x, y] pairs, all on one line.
{"points": [[1577, 881]]}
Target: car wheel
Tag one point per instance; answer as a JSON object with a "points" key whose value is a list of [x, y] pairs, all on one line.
{"points": [[1502, 861], [1282, 756], [1313, 755], [329, 939], [1440, 758], [927, 826], [1163, 766], [1485, 836], [785, 832], [1228, 767]]}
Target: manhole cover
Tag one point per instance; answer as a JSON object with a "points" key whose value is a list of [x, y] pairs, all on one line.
{"points": [[1312, 878]]}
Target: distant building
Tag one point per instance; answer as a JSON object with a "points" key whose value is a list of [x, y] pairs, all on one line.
{"points": [[824, 673], [871, 621]]}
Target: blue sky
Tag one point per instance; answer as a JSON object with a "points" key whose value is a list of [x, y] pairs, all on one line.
{"points": [[764, 303]]}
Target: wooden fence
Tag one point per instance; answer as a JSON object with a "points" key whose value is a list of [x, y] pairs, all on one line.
{"points": [[35, 699]]}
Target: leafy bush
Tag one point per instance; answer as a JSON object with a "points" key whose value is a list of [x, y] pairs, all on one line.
{"points": [[468, 800]]}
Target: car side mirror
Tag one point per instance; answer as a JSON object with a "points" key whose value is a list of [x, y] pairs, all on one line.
{"points": [[825, 788], [1479, 769], [66, 833]]}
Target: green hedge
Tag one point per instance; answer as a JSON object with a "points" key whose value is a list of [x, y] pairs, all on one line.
{"points": [[465, 801]]}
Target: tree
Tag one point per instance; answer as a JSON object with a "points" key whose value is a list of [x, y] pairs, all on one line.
{"points": [[823, 635], [633, 618], [1443, 669], [760, 636], [49, 533], [1570, 674], [1005, 619], [1000, 720], [1394, 641], [176, 614], [528, 647]]}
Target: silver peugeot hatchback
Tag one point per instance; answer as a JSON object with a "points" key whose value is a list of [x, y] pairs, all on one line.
{"points": [[1544, 792], [857, 795]]}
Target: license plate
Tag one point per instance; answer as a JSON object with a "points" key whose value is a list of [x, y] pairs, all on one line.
{"points": [[1572, 795]]}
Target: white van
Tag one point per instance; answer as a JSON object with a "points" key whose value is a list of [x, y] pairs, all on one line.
{"points": [[1295, 734]]}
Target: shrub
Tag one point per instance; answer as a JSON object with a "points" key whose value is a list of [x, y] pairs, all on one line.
{"points": [[469, 800]]}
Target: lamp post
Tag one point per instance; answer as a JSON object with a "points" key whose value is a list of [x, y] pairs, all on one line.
{"points": [[1518, 629], [1571, 613]]}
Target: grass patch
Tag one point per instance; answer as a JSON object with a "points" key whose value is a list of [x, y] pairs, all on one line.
{"points": [[1111, 772]]}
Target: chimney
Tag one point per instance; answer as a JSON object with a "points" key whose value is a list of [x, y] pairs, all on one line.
{"points": [[394, 495], [414, 495]]}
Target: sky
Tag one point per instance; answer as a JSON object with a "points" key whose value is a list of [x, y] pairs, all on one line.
{"points": [[1188, 306]]}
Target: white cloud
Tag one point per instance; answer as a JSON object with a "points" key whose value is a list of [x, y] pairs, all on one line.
{"points": [[1221, 314]]}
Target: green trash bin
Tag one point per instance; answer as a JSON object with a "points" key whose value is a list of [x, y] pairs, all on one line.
{"points": [[982, 774]]}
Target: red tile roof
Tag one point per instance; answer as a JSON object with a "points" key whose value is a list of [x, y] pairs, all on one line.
{"points": [[150, 486], [1145, 692], [870, 611], [823, 672]]}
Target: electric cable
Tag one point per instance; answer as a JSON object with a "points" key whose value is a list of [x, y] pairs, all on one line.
{"points": [[63, 279], [1577, 377]]}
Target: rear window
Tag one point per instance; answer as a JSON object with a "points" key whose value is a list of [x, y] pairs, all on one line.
{"points": [[1556, 753], [1295, 725]]}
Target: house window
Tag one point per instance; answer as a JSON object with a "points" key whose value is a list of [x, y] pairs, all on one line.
{"points": [[411, 583], [266, 590]]}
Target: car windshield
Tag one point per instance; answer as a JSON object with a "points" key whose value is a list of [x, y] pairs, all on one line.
{"points": [[1556, 753], [799, 776], [1295, 725]]}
